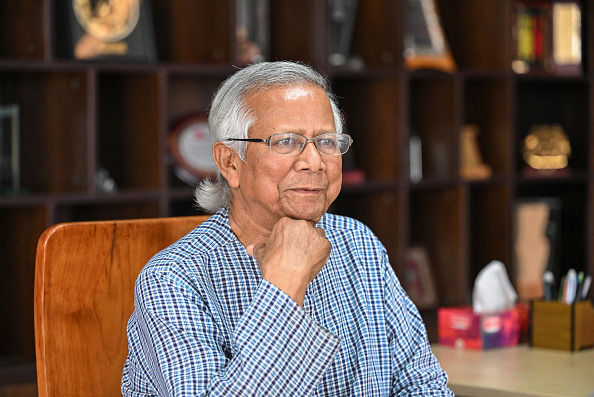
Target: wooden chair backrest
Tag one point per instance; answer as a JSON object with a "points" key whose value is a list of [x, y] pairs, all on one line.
{"points": [[84, 282]]}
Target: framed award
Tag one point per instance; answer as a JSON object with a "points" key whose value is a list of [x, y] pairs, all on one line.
{"points": [[425, 44], [108, 30], [191, 147]]}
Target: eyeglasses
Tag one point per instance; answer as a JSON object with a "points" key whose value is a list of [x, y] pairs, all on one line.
{"points": [[291, 144]]}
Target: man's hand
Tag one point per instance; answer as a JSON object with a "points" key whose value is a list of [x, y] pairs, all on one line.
{"points": [[293, 256]]}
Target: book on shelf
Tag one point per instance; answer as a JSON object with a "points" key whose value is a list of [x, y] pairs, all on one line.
{"points": [[547, 37]]}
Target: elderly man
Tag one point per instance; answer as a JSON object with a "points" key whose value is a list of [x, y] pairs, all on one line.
{"points": [[272, 296]]}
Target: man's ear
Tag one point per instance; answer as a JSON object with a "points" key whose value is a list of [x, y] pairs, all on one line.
{"points": [[227, 160]]}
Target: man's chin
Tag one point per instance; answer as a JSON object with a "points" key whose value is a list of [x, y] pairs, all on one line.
{"points": [[308, 214]]}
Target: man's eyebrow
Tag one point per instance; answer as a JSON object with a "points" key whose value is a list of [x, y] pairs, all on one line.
{"points": [[301, 131]]}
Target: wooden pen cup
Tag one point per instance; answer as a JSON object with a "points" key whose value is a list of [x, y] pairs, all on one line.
{"points": [[557, 325]]}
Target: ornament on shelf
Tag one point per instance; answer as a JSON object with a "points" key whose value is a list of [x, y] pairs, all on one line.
{"points": [[472, 166], [546, 151]]}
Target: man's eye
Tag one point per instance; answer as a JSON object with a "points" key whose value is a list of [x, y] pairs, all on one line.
{"points": [[286, 142], [327, 142]]}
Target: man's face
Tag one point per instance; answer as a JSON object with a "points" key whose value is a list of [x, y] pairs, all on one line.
{"points": [[272, 186]]}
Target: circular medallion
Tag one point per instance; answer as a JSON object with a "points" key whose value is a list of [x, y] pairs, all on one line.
{"points": [[107, 20], [191, 146]]}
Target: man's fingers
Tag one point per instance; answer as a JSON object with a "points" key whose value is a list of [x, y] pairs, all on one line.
{"points": [[254, 249]]}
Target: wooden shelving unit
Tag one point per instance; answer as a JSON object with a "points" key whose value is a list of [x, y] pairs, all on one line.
{"points": [[79, 116]]}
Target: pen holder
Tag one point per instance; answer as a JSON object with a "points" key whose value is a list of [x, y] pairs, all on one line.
{"points": [[559, 326]]}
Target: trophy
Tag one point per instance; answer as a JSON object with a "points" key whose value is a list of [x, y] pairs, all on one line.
{"points": [[425, 45], [252, 31], [342, 15]]}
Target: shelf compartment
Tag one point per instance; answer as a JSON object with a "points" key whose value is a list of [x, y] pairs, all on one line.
{"points": [[188, 95], [488, 216], [487, 104], [21, 228], [22, 28], [296, 36], [555, 101], [53, 128], [434, 217], [375, 37], [128, 133], [192, 31], [382, 213], [373, 119], [479, 33], [433, 118], [573, 244]]}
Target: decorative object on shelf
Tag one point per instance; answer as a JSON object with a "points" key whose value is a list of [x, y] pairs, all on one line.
{"points": [[10, 166], [418, 278], [252, 31], [546, 151], [536, 236], [191, 147], [109, 30], [472, 166], [425, 44], [415, 148], [104, 182], [342, 14], [548, 37]]}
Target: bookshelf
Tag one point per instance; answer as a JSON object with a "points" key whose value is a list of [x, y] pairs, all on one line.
{"points": [[77, 117]]}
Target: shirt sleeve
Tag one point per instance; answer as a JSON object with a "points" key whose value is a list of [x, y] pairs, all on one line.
{"points": [[416, 370], [176, 348]]}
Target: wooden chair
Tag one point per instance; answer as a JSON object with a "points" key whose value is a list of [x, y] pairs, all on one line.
{"points": [[84, 280]]}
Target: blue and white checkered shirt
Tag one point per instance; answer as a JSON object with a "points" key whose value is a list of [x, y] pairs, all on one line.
{"points": [[205, 323]]}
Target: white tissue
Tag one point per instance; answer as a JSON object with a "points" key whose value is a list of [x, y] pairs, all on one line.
{"points": [[493, 291]]}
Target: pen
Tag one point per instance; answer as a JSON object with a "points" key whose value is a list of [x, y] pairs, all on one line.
{"points": [[561, 289], [549, 285], [580, 286], [586, 286], [570, 287]]}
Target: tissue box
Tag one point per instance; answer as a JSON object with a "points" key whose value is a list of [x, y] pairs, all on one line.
{"points": [[461, 327], [559, 326]]}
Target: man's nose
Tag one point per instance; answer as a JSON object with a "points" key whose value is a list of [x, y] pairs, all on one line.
{"points": [[311, 157]]}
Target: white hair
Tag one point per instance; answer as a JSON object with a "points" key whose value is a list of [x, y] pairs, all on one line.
{"points": [[229, 116]]}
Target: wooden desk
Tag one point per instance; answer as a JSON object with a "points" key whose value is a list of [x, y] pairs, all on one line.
{"points": [[519, 371]]}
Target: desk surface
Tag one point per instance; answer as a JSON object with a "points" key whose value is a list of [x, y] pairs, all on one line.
{"points": [[519, 371]]}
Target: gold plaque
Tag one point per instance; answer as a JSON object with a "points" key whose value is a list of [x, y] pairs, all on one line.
{"points": [[107, 20], [108, 29]]}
